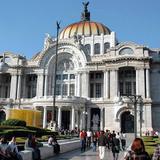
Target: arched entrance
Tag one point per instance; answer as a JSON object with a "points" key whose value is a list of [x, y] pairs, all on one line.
{"points": [[2, 116], [127, 122]]}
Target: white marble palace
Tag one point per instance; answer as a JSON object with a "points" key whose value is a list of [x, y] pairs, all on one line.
{"points": [[94, 74]]}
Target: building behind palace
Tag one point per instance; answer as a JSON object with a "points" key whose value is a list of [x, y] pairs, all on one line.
{"points": [[93, 70]]}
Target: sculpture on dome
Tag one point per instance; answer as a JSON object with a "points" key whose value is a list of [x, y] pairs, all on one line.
{"points": [[47, 41], [85, 5]]}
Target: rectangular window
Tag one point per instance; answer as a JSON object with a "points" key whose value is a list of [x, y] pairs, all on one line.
{"points": [[58, 77], [98, 90], [128, 88], [91, 90], [58, 89], [72, 89], [91, 75], [65, 89], [72, 76], [98, 75], [121, 88], [65, 76]]}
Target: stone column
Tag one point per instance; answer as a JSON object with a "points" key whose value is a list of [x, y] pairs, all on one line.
{"points": [[24, 86], [78, 85], [19, 86], [101, 119], [137, 81], [40, 85], [85, 84], [88, 118], [102, 44], [92, 46], [59, 117], [106, 84], [141, 82], [46, 85], [44, 117], [73, 118], [147, 83], [13, 85], [114, 83]]}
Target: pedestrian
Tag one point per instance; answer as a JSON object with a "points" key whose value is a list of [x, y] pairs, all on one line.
{"points": [[82, 136], [156, 154], [123, 141], [4, 154], [94, 141], [115, 146], [31, 144], [13, 149], [137, 151], [102, 140], [89, 136]]}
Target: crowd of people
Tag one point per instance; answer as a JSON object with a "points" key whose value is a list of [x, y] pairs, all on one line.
{"points": [[113, 141], [9, 150]]}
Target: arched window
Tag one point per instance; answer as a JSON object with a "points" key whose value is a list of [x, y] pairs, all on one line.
{"points": [[97, 48], [126, 50], [106, 46], [88, 48]]}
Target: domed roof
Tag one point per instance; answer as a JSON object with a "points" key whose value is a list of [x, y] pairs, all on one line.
{"points": [[85, 28]]}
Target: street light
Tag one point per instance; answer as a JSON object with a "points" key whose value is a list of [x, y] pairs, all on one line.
{"points": [[135, 99], [85, 113], [55, 72]]}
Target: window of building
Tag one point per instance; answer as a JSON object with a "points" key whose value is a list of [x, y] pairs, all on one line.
{"points": [[128, 88], [98, 75], [98, 90], [125, 51], [88, 48], [106, 46], [58, 89], [65, 90], [58, 77], [72, 89], [97, 48], [91, 90], [72, 76], [65, 76]]}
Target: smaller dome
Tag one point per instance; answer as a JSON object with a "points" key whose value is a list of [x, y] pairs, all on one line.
{"points": [[84, 28]]}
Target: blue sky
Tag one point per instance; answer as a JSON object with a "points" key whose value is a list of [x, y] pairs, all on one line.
{"points": [[23, 23]]}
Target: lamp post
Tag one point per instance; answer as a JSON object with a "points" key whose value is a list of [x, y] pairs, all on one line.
{"points": [[55, 71], [85, 113], [136, 99]]}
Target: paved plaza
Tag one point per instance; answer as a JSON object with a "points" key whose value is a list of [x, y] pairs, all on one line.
{"points": [[88, 155]]}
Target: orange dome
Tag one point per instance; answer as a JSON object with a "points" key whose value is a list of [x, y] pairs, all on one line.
{"points": [[85, 28]]}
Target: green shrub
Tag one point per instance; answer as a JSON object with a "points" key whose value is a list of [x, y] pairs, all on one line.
{"points": [[14, 122]]}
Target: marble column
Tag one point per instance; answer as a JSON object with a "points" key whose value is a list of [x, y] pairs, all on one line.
{"points": [[101, 119], [114, 83], [147, 83], [44, 117], [19, 86], [88, 118], [40, 85], [13, 85], [106, 84], [46, 85], [59, 117], [137, 81], [73, 118]]}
